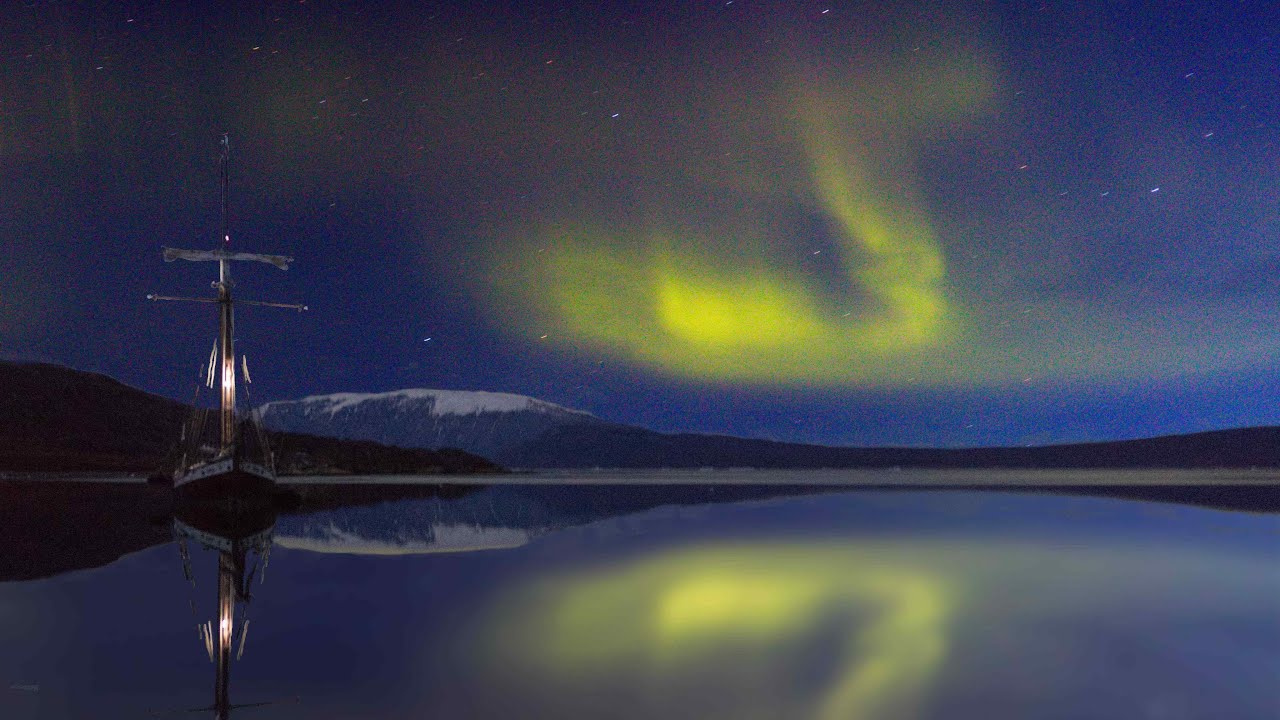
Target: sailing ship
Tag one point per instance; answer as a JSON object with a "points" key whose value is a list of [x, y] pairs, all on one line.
{"points": [[237, 464]]}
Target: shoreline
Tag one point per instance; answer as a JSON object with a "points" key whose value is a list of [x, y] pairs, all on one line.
{"points": [[957, 478]]}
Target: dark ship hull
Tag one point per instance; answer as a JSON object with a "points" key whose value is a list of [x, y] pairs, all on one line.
{"points": [[227, 478]]}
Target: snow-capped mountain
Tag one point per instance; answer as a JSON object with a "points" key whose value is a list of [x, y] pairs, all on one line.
{"points": [[439, 402], [490, 424], [523, 432]]}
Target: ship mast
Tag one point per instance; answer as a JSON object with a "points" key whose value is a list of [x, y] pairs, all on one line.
{"points": [[223, 255], [226, 316]]}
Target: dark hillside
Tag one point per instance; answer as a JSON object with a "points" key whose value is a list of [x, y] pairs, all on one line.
{"points": [[54, 419], [619, 446]]}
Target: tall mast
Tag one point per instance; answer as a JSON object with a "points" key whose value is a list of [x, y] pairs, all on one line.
{"points": [[223, 255], [226, 324]]}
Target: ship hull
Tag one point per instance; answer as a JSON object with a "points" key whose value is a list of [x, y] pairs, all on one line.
{"points": [[229, 479]]}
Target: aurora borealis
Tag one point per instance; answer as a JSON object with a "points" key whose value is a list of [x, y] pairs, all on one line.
{"points": [[707, 305], [938, 224]]}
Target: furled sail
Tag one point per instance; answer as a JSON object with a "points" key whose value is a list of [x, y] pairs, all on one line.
{"points": [[171, 254]]}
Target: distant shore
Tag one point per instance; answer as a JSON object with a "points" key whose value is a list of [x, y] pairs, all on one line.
{"points": [[913, 477], [923, 478]]}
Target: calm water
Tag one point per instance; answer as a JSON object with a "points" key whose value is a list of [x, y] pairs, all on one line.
{"points": [[681, 601]]}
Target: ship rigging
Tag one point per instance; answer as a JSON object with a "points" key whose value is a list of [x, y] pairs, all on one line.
{"points": [[226, 469]]}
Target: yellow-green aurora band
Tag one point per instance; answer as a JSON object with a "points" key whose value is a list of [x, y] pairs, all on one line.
{"points": [[716, 308]]}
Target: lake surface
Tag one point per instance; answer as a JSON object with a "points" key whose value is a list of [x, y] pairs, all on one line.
{"points": [[652, 600]]}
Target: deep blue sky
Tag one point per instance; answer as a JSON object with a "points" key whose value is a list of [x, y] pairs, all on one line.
{"points": [[946, 224]]}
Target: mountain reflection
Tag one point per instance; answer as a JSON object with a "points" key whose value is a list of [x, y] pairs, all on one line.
{"points": [[635, 601], [486, 518]]}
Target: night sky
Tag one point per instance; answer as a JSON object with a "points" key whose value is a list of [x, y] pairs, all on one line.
{"points": [[947, 224]]}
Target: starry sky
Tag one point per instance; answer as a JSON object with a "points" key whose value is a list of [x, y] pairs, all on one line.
{"points": [[944, 223]]}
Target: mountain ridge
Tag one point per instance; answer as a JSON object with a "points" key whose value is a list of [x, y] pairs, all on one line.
{"points": [[491, 425], [454, 402], [55, 418], [537, 440], [58, 419]]}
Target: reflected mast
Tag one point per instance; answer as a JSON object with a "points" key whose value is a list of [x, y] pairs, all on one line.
{"points": [[235, 539]]}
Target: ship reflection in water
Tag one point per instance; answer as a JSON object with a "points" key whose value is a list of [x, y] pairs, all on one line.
{"points": [[673, 601], [239, 536]]}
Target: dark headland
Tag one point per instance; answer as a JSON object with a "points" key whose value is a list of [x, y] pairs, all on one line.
{"points": [[55, 419]]}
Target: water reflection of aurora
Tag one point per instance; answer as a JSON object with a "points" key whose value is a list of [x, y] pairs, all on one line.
{"points": [[831, 630]]}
